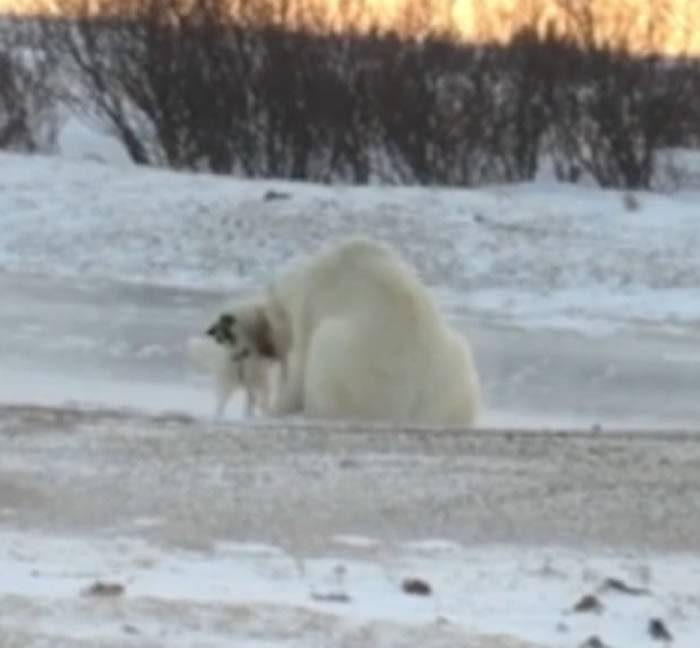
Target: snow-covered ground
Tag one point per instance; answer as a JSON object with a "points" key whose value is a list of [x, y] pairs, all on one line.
{"points": [[299, 536], [257, 595], [540, 254], [583, 308]]}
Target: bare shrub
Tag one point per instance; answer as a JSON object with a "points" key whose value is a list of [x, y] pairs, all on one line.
{"points": [[616, 107], [28, 95], [268, 88]]}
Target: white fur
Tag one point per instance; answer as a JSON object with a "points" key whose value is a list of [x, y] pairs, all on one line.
{"points": [[365, 341], [250, 373]]}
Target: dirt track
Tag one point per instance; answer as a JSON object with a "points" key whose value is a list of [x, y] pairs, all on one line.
{"points": [[183, 482]]}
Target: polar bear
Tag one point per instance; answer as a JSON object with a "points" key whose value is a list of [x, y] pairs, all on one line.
{"points": [[363, 340]]}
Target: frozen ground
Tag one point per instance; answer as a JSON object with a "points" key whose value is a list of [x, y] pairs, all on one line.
{"points": [[581, 312]]}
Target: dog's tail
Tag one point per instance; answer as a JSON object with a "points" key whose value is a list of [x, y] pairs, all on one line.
{"points": [[206, 353]]}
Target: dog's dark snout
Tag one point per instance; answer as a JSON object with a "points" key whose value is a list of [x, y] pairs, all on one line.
{"points": [[212, 330]]}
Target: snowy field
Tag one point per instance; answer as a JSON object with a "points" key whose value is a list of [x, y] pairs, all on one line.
{"points": [[584, 309], [541, 254]]}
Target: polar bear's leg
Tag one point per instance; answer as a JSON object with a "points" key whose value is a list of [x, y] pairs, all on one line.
{"points": [[451, 393], [323, 389], [349, 377], [465, 389], [290, 397]]}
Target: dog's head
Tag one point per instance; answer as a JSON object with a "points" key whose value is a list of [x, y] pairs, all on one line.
{"points": [[227, 331], [245, 331], [224, 330]]}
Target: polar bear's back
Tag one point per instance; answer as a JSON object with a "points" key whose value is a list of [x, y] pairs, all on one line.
{"points": [[364, 280]]}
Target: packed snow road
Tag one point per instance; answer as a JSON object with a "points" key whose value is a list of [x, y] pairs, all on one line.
{"points": [[296, 486]]}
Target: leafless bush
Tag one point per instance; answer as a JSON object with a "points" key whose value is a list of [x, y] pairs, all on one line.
{"points": [[615, 108], [618, 112], [27, 92], [460, 115], [198, 85]]}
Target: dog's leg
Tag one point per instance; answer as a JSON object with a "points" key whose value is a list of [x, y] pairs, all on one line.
{"points": [[249, 401], [273, 388], [283, 362], [248, 380], [224, 389], [263, 382]]}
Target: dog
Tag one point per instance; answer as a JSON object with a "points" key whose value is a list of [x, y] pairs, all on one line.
{"points": [[235, 360]]}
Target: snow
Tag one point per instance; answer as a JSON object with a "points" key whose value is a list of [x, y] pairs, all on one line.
{"points": [[539, 254], [59, 389], [78, 141], [476, 592]]}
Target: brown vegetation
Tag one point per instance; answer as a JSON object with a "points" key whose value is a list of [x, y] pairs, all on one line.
{"points": [[226, 86]]}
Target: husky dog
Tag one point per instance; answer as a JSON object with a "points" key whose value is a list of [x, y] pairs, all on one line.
{"points": [[236, 359]]}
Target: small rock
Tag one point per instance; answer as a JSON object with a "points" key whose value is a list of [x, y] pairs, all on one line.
{"points": [[659, 631], [105, 589], [618, 585], [275, 195], [631, 202], [589, 603], [129, 629], [594, 642], [416, 586], [331, 597]]}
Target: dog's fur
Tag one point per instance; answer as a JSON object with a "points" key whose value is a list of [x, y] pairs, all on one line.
{"points": [[237, 351], [361, 339]]}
